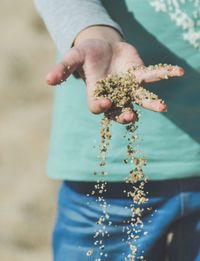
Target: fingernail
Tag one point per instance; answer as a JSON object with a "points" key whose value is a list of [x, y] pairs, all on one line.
{"points": [[162, 107], [165, 110], [48, 77], [181, 71], [103, 106]]}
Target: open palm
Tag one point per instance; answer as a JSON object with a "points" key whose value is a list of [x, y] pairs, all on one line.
{"points": [[94, 59]]}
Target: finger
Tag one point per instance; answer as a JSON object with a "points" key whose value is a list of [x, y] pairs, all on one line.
{"points": [[153, 105], [157, 73], [71, 61], [149, 100], [126, 117], [99, 106]]}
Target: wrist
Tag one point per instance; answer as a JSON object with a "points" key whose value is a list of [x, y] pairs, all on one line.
{"points": [[101, 32]]}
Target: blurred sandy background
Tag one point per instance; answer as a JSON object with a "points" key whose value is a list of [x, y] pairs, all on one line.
{"points": [[28, 197]]}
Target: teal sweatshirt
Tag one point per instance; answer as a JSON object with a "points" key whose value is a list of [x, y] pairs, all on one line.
{"points": [[169, 141]]}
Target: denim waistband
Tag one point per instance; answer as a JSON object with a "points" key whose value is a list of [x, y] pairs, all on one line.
{"points": [[119, 189]]}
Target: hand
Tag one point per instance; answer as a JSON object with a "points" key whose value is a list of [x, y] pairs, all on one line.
{"points": [[95, 58]]}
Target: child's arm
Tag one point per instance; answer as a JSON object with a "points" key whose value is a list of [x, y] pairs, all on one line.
{"points": [[99, 50]]}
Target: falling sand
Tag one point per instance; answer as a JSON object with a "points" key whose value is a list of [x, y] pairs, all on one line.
{"points": [[123, 90]]}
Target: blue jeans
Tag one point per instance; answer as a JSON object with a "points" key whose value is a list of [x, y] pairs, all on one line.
{"points": [[175, 211]]}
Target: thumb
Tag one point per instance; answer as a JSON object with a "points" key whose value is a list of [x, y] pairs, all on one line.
{"points": [[73, 59]]}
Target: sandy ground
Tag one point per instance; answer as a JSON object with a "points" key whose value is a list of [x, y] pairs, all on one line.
{"points": [[27, 196]]}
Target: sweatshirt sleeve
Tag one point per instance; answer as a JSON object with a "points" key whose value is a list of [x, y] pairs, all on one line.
{"points": [[64, 19]]}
